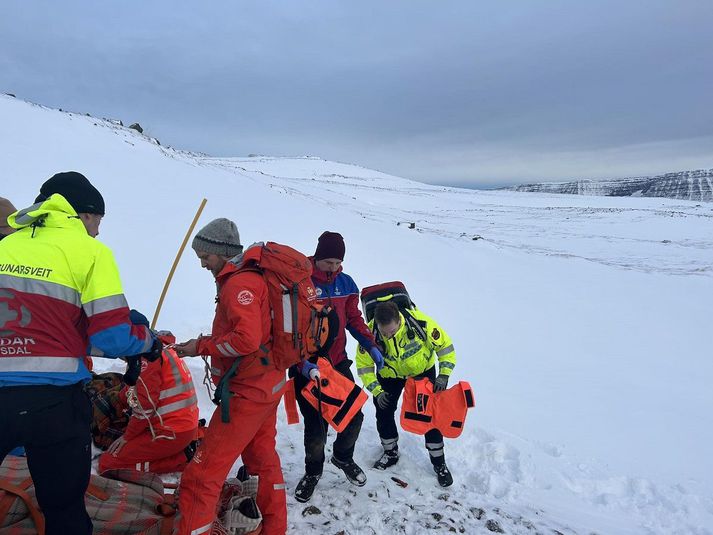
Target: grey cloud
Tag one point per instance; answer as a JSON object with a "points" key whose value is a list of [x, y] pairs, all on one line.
{"points": [[461, 91]]}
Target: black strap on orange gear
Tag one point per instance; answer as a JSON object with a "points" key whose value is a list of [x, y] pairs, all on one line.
{"points": [[337, 398], [222, 390]]}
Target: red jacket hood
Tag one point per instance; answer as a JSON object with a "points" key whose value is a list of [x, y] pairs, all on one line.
{"points": [[250, 256]]}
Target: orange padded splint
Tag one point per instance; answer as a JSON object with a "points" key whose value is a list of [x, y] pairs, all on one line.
{"points": [[340, 398], [423, 410]]}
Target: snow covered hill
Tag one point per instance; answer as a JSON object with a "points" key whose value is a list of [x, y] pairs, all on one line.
{"points": [[582, 323], [686, 185]]}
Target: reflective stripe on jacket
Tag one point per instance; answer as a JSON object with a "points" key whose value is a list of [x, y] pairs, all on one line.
{"points": [[60, 299], [407, 354]]}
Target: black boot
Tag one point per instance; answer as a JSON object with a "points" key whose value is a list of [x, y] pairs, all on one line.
{"points": [[445, 479], [305, 488], [388, 458], [355, 475]]}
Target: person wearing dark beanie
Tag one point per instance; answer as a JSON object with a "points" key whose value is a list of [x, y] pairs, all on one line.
{"points": [[330, 245], [63, 296], [76, 188], [80, 194], [338, 290]]}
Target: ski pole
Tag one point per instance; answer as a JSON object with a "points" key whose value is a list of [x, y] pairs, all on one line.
{"points": [[175, 263]]}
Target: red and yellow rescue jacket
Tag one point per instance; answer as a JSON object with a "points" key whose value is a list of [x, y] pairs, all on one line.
{"points": [[164, 399], [60, 299]]}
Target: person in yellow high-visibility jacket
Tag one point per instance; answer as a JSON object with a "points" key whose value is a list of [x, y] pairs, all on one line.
{"points": [[411, 343], [60, 300]]}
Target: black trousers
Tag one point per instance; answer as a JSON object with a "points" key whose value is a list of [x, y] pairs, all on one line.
{"points": [[316, 427], [385, 418], [52, 423]]}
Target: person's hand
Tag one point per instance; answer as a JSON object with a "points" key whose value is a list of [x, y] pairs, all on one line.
{"points": [[187, 349], [133, 370], [383, 400], [155, 352], [377, 357], [441, 383], [116, 446], [310, 371]]}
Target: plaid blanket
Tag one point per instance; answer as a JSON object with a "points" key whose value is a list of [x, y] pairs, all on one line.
{"points": [[124, 503]]}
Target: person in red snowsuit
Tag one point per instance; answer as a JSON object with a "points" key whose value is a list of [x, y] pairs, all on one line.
{"points": [[164, 418], [251, 393]]}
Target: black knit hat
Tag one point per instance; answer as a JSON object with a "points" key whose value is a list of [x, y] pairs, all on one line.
{"points": [[219, 237], [330, 245], [78, 191]]}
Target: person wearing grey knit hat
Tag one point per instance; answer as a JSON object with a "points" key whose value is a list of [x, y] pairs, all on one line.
{"points": [[216, 243], [248, 386]]}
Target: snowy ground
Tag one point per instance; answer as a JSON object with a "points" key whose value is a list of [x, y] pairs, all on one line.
{"points": [[583, 324]]}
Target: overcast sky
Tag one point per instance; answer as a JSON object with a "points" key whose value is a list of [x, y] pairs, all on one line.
{"points": [[478, 92]]}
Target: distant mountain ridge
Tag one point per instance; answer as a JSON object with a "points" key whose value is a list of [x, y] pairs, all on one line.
{"points": [[694, 185]]}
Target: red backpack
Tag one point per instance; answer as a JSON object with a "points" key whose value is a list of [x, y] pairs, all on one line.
{"points": [[301, 328]]}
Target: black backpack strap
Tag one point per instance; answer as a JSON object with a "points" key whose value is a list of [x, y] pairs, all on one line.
{"points": [[415, 325], [377, 335], [223, 393]]}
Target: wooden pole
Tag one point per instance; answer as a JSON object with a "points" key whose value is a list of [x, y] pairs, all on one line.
{"points": [[175, 263]]}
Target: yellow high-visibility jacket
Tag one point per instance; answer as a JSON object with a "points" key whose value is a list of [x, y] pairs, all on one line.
{"points": [[407, 354], [60, 299]]}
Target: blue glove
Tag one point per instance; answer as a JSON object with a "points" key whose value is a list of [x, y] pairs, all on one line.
{"points": [[377, 357], [137, 318], [309, 370]]}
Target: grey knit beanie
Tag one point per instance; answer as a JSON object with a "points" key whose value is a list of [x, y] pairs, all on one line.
{"points": [[220, 237]]}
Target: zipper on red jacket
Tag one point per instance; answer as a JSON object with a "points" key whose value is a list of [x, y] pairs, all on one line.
{"points": [[329, 284]]}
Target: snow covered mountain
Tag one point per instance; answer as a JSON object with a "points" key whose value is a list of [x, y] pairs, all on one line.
{"points": [[689, 185], [582, 324]]}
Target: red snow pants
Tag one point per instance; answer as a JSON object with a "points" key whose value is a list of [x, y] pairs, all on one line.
{"points": [[251, 434], [144, 454]]}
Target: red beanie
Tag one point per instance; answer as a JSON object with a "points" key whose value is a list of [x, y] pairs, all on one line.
{"points": [[330, 245]]}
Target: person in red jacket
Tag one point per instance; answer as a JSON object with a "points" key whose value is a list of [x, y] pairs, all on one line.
{"points": [[338, 290], [164, 418], [249, 386]]}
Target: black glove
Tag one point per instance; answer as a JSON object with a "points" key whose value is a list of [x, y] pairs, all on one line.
{"points": [[133, 370], [155, 352], [383, 400], [441, 383]]}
